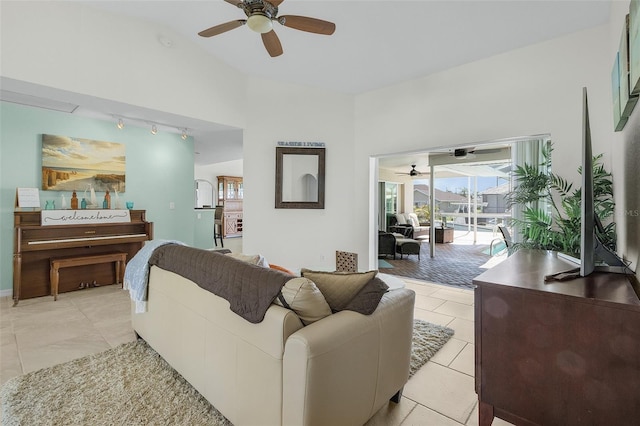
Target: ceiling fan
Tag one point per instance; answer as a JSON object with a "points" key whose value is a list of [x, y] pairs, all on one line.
{"points": [[412, 172], [260, 17]]}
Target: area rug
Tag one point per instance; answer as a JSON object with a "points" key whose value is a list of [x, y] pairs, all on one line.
{"points": [[427, 340], [132, 385], [454, 265]]}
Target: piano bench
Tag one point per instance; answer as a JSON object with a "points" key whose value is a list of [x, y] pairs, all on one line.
{"points": [[58, 263]]}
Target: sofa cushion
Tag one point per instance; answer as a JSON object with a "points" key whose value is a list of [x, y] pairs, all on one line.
{"points": [[413, 219], [339, 288], [401, 220], [303, 297]]}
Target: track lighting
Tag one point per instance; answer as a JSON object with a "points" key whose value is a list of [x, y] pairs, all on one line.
{"points": [[141, 122]]}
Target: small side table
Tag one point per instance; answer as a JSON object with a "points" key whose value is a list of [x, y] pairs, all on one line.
{"points": [[444, 235]]}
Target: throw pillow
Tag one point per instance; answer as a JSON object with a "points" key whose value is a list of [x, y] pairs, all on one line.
{"points": [[303, 297], [367, 299], [339, 288], [413, 218], [281, 268]]}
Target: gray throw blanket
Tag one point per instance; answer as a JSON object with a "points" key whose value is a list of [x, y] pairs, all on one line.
{"points": [[250, 289]]}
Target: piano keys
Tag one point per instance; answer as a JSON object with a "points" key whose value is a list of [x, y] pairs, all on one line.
{"points": [[34, 246]]}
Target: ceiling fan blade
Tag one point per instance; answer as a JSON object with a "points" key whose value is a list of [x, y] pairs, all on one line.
{"points": [[311, 25], [222, 28], [276, 3], [272, 43], [234, 2]]}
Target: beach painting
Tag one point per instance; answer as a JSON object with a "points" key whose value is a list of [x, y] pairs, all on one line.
{"points": [[82, 165]]}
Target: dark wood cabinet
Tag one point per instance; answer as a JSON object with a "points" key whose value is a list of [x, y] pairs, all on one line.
{"points": [[556, 353]]}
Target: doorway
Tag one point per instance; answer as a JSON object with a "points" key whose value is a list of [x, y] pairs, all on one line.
{"points": [[469, 188]]}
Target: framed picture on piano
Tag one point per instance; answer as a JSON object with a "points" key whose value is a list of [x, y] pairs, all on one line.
{"points": [[27, 198]]}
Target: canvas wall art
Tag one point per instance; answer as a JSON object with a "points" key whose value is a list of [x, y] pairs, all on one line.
{"points": [[619, 120], [624, 101], [627, 99], [75, 164], [634, 46]]}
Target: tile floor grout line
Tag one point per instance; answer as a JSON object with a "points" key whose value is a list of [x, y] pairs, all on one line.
{"points": [[436, 411]]}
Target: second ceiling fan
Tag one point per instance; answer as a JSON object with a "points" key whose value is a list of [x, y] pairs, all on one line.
{"points": [[412, 172], [260, 17]]}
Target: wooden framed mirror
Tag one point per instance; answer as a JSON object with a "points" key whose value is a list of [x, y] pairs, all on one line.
{"points": [[300, 178]]}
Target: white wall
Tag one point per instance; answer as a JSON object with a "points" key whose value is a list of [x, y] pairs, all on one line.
{"points": [[80, 49], [297, 238], [528, 91], [211, 172]]}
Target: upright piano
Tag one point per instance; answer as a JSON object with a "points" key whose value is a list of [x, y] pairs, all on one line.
{"points": [[34, 245]]}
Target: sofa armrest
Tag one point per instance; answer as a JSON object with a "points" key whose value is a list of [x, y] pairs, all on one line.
{"points": [[345, 367]]}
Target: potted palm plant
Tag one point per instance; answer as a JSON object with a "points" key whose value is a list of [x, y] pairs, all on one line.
{"points": [[550, 206]]}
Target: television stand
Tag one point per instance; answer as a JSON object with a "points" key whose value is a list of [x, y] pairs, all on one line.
{"points": [[561, 352]]}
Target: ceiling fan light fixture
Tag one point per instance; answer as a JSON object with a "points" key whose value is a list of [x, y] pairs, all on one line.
{"points": [[260, 23]]}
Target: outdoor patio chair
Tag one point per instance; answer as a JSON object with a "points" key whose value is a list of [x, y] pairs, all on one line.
{"points": [[506, 239], [386, 244]]}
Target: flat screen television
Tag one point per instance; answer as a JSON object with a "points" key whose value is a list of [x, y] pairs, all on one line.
{"points": [[594, 256], [588, 237]]}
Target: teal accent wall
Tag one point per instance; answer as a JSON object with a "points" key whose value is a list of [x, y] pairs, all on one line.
{"points": [[159, 171], [203, 236]]}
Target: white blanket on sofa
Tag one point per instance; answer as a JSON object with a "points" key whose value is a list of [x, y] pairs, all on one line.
{"points": [[136, 275]]}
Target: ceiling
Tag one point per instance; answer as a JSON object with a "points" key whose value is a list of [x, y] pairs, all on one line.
{"points": [[479, 160], [376, 43]]}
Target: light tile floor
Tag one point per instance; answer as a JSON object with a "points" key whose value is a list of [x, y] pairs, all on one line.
{"points": [[40, 332], [442, 392]]}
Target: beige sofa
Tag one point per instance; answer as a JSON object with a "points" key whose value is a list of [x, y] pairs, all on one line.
{"points": [[339, 370]]}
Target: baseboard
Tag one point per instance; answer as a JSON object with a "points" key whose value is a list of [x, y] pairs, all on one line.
{"points": [[6, 293]]}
